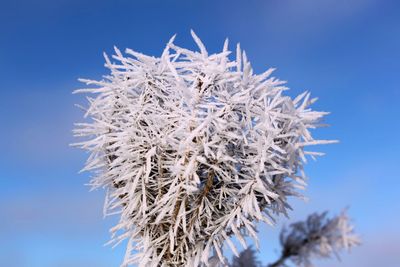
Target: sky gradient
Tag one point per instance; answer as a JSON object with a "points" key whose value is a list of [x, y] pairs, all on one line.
{"points": [[347, 53]]}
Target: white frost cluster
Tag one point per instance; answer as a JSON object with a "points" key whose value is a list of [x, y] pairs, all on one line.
{"points": [[318, 237], [193, 148]]}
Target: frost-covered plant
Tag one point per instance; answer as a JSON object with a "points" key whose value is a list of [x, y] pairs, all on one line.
{"points": [[193, 149], [316, 237], [246, 258]]}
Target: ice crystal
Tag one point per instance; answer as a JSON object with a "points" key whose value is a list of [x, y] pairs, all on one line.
{"points": [[193, 148]]}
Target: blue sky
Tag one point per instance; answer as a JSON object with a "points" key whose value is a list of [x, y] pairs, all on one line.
{"points": [[345, 52]]}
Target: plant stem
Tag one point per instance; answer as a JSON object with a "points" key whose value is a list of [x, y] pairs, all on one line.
{"points": [[279, 262]]}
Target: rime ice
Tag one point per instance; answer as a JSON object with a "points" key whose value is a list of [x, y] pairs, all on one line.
{"points": [[193, 148]]}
